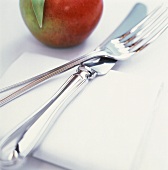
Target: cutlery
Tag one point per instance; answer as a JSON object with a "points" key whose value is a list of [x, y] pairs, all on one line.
{"points": [[23, 139], [117, 50]]}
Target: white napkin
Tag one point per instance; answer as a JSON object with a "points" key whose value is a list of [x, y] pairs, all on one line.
{"points": [[103, 128]]}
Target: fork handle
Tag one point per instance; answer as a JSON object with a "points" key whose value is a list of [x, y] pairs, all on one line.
{"points": [[26, 138]]}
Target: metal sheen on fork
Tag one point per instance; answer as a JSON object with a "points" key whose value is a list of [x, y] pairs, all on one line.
{"points": [[23, 139], [119, 48]]}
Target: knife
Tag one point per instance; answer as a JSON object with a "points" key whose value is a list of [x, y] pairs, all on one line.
{"points": [[20, 142], [135, 16]]}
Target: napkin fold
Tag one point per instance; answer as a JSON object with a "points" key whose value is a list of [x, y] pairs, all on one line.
{"points": [[104, 127]]}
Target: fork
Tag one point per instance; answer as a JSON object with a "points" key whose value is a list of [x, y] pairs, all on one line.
{"points": [[23, 139], [120, 48]]}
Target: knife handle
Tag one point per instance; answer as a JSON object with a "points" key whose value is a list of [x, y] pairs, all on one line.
{"points": [[26, 136]]}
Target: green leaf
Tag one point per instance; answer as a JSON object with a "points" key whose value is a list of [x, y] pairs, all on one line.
{"points": [[38, 7]]}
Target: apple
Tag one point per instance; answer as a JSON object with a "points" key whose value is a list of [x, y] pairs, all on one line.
{"points": [[65, 23]]}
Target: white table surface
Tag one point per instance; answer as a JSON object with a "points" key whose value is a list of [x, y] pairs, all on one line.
{"points": [[16, 39]]}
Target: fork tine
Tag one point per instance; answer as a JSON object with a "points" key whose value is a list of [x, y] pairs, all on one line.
{"points": [[153, 21], [151, 39], [150, 29], [146, 32], [145, 29], [129, 33]]}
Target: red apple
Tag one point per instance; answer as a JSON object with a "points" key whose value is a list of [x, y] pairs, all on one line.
{"points": [[65, 22]]}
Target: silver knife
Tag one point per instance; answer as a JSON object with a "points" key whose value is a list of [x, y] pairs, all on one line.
{"points": [[135, 16], [23, 139]]}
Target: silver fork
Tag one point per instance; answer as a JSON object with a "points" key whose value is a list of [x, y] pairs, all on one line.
{"points": [[24, 138], [120, 48]]}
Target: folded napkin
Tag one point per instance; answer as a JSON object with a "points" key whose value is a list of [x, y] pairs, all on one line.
{"points": [[102, 129]]}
